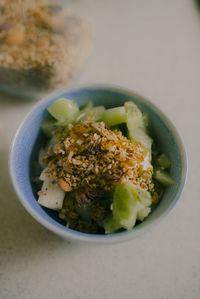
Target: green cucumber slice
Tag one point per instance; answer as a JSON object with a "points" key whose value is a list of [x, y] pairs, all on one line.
{"points": [[134, 117], [114, 116], [163, 161], [141, 195], [111, 225], [136, 126], [86, 107], [140, 136], [163, 177], [123, 203], [147, 123], [63, 110], [130, 203], [142, 212], [94, 113]]}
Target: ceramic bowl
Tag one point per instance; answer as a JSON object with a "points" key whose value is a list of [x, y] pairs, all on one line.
{"points": [[26, 144]]}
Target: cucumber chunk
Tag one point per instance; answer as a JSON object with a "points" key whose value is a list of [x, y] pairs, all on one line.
{"points": [[111, 225], [141, 195], [63, 110], [130, 203], [114, 116], [95, 114], [144, 202], [142, 212], [134, 117], [123, 210], [140, 136], [147, 123], [86, 107], [136, 126], [123, 206], [163, 161], [163, 177]]}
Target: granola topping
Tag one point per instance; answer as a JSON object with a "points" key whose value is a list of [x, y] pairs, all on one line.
{"points": [[92, 155]]}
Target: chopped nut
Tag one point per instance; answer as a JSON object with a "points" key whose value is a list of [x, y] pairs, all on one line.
{"points": [[64, 185]]}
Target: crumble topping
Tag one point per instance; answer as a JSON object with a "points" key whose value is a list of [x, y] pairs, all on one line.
{"points": [[92, 155]]}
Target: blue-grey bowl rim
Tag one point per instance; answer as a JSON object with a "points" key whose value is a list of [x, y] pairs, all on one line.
{"points": [[92, 238]]}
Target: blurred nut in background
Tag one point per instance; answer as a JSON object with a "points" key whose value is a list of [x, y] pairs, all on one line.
{"points": [[15, 37], [6, 26], [43, 42]]}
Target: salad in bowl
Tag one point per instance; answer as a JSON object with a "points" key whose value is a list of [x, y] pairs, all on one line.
{"points": [[100, 169], [97, 163]]}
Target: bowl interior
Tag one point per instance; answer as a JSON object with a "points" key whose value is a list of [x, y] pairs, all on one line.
{"points": [[28, 140]]}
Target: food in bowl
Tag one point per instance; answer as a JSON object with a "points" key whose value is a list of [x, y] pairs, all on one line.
{"points": [[100, 168], [42, 45]]}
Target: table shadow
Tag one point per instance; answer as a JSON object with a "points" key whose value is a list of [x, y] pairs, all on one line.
{"points": [[21, 237], [197, 2], [9, 100]]}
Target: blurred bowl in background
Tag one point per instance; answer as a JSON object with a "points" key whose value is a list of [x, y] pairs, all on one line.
{"points": [[43, 47]]}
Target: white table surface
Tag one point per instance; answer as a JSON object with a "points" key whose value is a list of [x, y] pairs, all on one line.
{"points": [[152, 47]]}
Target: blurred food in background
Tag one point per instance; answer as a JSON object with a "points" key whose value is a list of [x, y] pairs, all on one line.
{"points": [[42, 45]]}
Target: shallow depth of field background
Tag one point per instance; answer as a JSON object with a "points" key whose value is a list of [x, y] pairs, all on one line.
{"points": [[152, 47]]}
